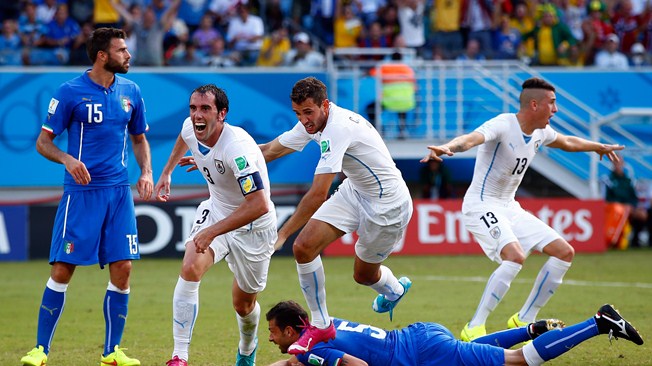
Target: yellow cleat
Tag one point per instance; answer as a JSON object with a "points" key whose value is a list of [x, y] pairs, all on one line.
{"points": [[35, 357], [118, 358], [469, 334], [515, 322]]}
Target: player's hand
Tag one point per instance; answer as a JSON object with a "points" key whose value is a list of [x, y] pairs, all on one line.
{"points": [[203, 240], [610, 151], [188, 161], [145, 186], [279, 243], [162, 188], [78, 171], [435, 152]]}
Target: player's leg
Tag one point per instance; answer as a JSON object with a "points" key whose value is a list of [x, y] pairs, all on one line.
{"points": [[511, 337], [247, 313], [555, 343]]}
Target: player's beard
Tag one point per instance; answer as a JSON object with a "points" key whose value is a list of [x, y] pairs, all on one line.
{"points": [[115, 67]]}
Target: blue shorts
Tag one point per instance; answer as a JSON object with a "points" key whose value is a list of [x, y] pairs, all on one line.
{"points": [[95, 226], [436, 345]]}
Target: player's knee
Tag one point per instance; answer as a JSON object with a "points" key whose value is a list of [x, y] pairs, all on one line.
{"points": [[190, 271], [243, 308], [365, 279], [303, 253], [567, 253], [515, 257]]}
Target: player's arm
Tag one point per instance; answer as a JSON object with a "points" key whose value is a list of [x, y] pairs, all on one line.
{"points": [[311, 201], [274, 150], [145, 184], [46, 147], [254, 206], [578, 144], [162, 188], [459, 144]]}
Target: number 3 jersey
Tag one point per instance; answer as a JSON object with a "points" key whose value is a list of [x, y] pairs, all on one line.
{"points": [[233, 168], [98, 121], [503, 158]]}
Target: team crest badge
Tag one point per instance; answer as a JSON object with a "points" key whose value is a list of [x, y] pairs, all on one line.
{"points": [[219, 165], [69, 247], [495, 232], [537, 145], [325, 146], [125, 103]]}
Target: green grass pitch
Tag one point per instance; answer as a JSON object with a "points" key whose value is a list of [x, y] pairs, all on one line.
{"points": [[446, 289]]}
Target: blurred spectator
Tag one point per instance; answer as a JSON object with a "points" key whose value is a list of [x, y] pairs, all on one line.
{"points": [[445, 33], [523, 21], [477, 18], [245, 35], [62, 31], [389, 21], [10, 44], [219, 57], [45, 11], [638, 56], [274, 48], [609, 57], [274, 17], [320, 21], [30, 28], [627, 25], [149, 32], [206, 33], [347, 26], [552, 38], [223, 11], [411, 15], [435, 180], [302, 55], [573, 58], [374, 38], [472, 52], [572, 13], [9, 9], [369, 10], [105, 15], [595, 28], [507, 40], [82, 10], [187, 55], [191, 12], [624, 202], [78, 54]]}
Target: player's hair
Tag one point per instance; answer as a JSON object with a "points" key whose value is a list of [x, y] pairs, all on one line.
{"points": [[309, 87], [288, 313], [221, 100], [536, 83], [100, 40]]}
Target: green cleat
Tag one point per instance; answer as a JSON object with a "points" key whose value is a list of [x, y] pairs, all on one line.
{"points": [[469, 334], [35, 357], [515, 322], [118, 358]]}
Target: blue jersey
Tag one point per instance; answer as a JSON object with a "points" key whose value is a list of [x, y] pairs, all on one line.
{"points": [[98, 121], [419, 344]]}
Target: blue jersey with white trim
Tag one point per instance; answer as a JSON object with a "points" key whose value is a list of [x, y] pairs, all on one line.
{"points": [[98, 121]]}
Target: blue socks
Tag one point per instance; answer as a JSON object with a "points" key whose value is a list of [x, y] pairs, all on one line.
{"points": [[505, 338], [52, 303], [115, 317], [556, 342]]}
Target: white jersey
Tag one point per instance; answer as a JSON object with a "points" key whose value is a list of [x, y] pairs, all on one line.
{"points": [[227, 168], [350, 144], [503, 159]]}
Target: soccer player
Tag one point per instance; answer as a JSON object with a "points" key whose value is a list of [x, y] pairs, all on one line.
{"points": [[373, 200], [236, 224], [506, 232], [95, 222], [433, 344]]}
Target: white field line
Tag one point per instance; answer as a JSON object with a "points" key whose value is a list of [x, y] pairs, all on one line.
{"points": [[565, 283]]}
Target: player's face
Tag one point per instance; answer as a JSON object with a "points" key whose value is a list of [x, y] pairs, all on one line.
{"points": [[118, 57], [206, 119], [278, 336], [311, 115], [546, 108]]}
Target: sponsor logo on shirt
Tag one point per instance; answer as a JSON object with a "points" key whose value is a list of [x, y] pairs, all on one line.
{"points": [[325, 146], [69, 247], [241, 162], [126, 103], [52, 107], [219, 165]]}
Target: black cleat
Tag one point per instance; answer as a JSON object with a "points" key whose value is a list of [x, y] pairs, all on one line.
{"points": [[541, 326], [610, 322]]}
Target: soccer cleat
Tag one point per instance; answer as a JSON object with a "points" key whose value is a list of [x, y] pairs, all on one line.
{"points": [[469, 334], [541, 326], [610, 322], [382, 305], [250, 360], [176, 361], [118, 358], [311, 336], [515, 322], [35, 357]]}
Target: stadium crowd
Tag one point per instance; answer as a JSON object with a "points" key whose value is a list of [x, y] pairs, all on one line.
{"points": [[615, 34]]}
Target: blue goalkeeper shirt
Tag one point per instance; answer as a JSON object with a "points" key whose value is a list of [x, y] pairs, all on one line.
{"points": [[98, 121]]}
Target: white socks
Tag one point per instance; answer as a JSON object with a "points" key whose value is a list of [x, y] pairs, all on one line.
{"points": [[549, 278], [496, 288], [248, 326], [185, 306], [388, 285], [312, 282]]}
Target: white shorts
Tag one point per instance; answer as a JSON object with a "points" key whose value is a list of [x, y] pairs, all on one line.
{"points": [[495, 226], [247, 252], [380, 223]]}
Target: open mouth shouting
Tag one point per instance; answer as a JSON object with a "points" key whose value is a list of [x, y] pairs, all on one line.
{"points": [[200, 126]]}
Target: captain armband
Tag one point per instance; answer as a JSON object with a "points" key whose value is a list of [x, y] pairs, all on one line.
{"points": [[250, 183]]}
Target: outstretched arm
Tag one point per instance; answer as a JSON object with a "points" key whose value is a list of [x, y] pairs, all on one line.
{"points": [[274, 150], [145, 184], [459, 144], [162, 189], [578, 144], [347, 360]]}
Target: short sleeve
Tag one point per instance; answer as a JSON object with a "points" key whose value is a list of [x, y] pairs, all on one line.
{"points": [[59, 111], [138, 123], [296, 139]]}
